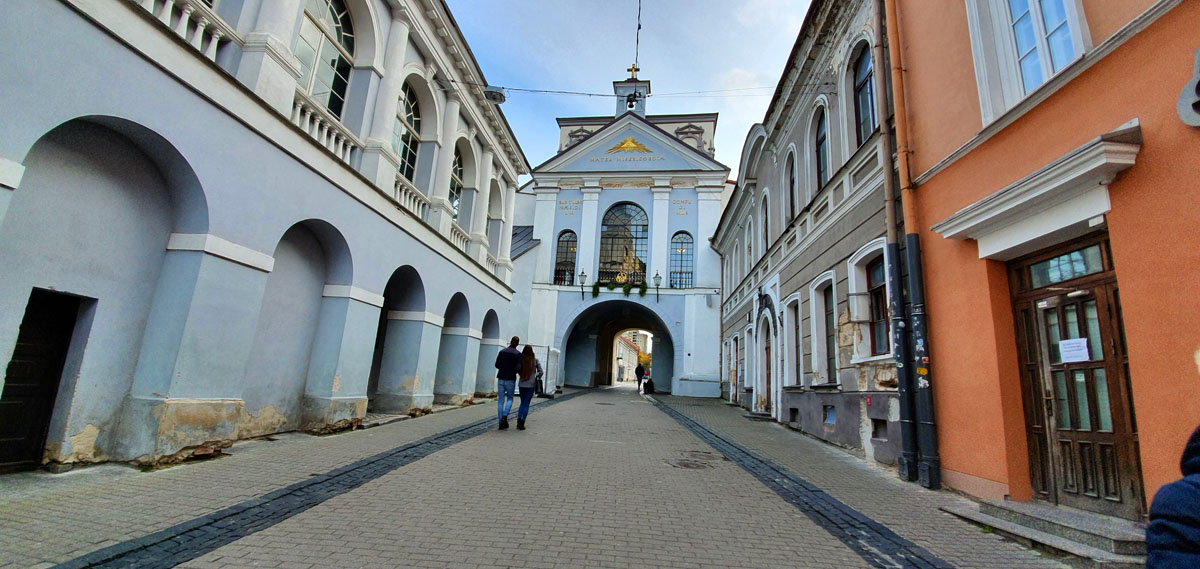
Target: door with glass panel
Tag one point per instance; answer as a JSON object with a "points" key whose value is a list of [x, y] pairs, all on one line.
{"points": [[1078, 407]]}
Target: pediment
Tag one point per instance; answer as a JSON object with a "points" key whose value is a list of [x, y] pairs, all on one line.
{"points": [[630, 144]]}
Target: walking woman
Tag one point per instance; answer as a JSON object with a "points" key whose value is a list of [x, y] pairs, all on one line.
{"points": [[531, 368]]}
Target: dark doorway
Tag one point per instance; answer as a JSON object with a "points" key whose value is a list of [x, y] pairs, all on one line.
{"points": [[31, 382], [1078, 406]]}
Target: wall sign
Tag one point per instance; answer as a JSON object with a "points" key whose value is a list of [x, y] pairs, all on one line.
{"points": [[1189, 100], [1072, 351]]}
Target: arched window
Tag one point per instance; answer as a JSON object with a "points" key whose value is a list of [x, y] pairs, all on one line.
{"points": [[564, 259], [406, 133], [821, 149], [790, 176], [456, 182], [864, 96], [624, 233], [681, 260], [878, 307], [326, 52], [766, 221]]}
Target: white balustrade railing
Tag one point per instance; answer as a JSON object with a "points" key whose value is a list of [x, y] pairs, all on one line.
{"points": [[491, 263], [195, 22], [411, 198], [314, 119], [458, 236]]}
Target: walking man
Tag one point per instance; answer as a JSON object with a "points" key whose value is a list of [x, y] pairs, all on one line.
{"points": [[639, 371], [508, 365]]}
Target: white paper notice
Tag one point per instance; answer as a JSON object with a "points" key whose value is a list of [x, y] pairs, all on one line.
{"points": [[1075, 350]]}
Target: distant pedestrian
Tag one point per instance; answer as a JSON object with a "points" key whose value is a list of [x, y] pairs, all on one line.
{"points": [[531, 370], [639, 371], [1173, 536], [508, 365]]}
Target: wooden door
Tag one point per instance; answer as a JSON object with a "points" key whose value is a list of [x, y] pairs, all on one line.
{"points": [[1078, 407], [32, 378]]}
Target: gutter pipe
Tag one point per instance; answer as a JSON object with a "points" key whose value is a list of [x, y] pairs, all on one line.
{"points": [[907, 461], [930, 472]]}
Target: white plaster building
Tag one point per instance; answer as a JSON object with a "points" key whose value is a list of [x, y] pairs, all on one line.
{"points": [[226, 218]]}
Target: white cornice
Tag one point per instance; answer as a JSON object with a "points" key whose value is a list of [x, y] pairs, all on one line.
{"points": [[10, 174], [222, 248], [352, 292]]}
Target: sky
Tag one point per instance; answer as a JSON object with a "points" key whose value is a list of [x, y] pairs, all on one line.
{"points": [[585, 45]]}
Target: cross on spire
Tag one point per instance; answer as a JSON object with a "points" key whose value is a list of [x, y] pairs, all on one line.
{"points": [[633, 70]]}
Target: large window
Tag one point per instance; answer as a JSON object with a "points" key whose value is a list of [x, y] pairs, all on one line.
{"points": [[1042, 37], [877, 298], [681, 260], [456, 183], [624, 234], [406, 132], [790, 177], [864, 96], [564, 259], [821, 149], [326, 52], [829, 316]]}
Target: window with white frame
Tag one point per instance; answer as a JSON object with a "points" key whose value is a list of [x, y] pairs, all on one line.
{"points": [[681, 261], [823, 300], [864, 94], [456, 183], [869, 305], [821, 148], [325, 50], [766, 224], [564, 258], [406, 132], [1018, 45], [796, 350], [789, 175]]}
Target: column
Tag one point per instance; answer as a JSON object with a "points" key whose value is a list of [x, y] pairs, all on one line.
{"points": [[485, 370], [187, 383], [589, 233], [453, 353], [477, 247], [409, 362], [543, 230], [504, 264], [707, 272], [379, 161], [441, 215], [658, 230], [267, 65], [335, 394]]}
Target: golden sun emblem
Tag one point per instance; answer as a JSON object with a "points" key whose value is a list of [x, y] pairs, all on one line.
{"points": [[629, 145]]}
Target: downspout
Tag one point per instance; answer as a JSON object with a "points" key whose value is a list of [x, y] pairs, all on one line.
{"points": [[908, 426], [930, 471]]}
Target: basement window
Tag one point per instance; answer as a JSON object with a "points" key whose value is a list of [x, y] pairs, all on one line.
{"points": [[879, 429]]}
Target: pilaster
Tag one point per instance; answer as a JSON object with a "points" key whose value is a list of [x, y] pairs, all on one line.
{"points": [[335, 394], [543, 230], [485, 374], [658, 230], [379, 161], [267, 65], [589, 232], [477, 247], [441, 215], [707, 273], [409, 362]]}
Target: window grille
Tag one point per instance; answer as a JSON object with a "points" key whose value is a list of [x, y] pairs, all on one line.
{"points": [[624, 237], [406, 132], [326, 52], [681, 260], [564, 261]]}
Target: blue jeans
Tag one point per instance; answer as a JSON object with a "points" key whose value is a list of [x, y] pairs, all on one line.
{"points": [[505, 389], [526, 397]]}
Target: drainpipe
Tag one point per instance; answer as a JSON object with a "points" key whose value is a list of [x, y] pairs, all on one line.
{"points": [[930, 471], [908, 426]]}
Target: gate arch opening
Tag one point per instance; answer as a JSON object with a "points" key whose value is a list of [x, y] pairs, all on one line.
{"points": [[587, 344]]}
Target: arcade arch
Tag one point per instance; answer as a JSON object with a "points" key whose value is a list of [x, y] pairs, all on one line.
{"points": [[587, 344]]}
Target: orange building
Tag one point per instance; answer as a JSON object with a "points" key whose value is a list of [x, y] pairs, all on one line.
{"points": [[1053, 172]]}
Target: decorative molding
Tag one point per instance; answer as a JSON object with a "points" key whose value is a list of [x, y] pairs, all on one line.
{"points": [[276, 49], [417, 316], [355, 293], [219, 247], [10, 173], [460, 331], [1068, 191]]}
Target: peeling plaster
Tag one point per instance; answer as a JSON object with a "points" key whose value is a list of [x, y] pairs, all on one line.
{"points": [[83, 448], [337, 382], [268, 420]]}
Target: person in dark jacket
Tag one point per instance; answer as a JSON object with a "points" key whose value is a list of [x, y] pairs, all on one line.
{"points": [[639, 371], [1173, 536], [508, 365]]}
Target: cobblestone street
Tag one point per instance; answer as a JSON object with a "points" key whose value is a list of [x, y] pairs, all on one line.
{"points": [[603, 478]]}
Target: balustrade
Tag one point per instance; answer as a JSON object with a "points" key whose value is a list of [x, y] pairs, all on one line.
{"points": [[410, 198], [458, 236], [314, 119], [195, 22]]}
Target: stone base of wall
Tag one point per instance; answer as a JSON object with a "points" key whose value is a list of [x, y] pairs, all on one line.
{"points": [[400, 403]]}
